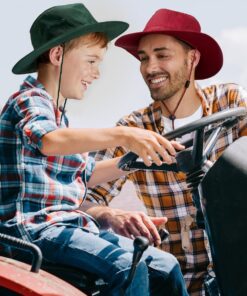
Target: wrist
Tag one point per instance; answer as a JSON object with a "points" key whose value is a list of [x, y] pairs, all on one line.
{"points": [[105, 217], [122, 136]]}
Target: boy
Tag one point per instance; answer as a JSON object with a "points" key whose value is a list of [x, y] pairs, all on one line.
{"points": [[44, 176]]}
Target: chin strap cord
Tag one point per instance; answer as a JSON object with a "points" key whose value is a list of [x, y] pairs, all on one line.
{"points": [[59, 86], [172, 115], [63, 110]]}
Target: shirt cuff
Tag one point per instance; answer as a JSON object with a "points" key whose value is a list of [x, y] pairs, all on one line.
{"points": [[34, 132], [89, 167]]}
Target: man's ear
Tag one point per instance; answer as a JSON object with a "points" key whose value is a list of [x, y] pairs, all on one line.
{"points": [[195, 57], [55, 55]]}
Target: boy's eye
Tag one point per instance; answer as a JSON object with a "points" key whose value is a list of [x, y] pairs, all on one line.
{"points": [[91, 62]]}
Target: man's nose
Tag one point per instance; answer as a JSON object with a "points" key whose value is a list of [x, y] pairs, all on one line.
{"points": [[152, 66]]}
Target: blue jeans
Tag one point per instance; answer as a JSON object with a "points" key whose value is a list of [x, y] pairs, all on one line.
{"points": [[109, 256]]}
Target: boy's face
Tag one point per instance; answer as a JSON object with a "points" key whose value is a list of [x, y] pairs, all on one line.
{"points": [[80, 68]]}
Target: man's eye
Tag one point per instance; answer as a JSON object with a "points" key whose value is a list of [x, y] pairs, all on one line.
{"points": [[162, 56], [91, 62], [143, 59]]}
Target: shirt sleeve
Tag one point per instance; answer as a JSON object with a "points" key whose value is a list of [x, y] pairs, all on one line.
{"points": [[237, 97], [242, 102], [89, 167], [36, 117]]}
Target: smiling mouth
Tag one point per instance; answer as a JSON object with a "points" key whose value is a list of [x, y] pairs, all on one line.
{"points": [[157, 82], [85, 84]]}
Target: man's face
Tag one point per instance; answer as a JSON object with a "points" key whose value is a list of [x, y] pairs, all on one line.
{"points": [[164, 65], [80, 68]]}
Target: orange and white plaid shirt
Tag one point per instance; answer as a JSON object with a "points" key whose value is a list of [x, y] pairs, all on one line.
{"points": [[166, 193]]}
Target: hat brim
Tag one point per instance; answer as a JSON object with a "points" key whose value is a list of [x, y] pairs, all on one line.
{"points": [[28, 63], [211, 59]]}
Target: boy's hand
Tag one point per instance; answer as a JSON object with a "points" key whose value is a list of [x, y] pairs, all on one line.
{"points": [[149, 145]]}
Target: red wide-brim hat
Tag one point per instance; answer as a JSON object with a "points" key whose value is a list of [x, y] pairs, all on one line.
{"points": [[183, 27]]}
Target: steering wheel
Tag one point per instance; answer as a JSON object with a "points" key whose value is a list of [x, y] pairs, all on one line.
{"points": [[197, 150]]}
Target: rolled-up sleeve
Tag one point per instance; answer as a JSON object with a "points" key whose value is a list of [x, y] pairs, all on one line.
{"points": [[37, 118]]}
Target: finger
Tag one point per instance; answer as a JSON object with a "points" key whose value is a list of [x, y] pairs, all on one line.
{"points": [[133, 230], [157, 221], [146, 159], [144, 231], [158, 151], [167, 145], [154, 156], [125, 232], [165, 155], [177, 145], [136, 227], [152, 229]]}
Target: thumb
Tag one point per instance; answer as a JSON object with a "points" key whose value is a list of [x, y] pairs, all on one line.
{"points": [[159, 220]]}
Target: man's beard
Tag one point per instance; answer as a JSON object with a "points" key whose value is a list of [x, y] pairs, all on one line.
{"points": [[175, 84]]}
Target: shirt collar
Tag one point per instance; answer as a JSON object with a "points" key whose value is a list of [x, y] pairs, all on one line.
{"points": [[31, 82], [157, 114]]}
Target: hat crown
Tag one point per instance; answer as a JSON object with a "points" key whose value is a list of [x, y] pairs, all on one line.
{"points": [[59, 20], [169, 20]]}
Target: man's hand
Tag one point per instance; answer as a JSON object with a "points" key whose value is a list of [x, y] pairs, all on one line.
{"points": [[126, 223], [133, 224]]}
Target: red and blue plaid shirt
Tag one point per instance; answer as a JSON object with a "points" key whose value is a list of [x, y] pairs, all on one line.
{"points": [[37, 191]]}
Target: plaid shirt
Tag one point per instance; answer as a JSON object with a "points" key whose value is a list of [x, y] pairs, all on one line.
{"points": [[37, 191], [166, 193]]}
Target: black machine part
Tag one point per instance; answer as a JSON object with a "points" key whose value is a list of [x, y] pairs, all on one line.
{"points": [[141, 243], [25, 246], [224, 205]]}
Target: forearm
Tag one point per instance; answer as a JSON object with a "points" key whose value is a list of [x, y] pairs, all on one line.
{"points": [[105, 171], [67, 141], [102, 214]]}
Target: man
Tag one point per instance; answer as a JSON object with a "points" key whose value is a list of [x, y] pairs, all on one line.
{"points": [[45, 171], [173, 53]]}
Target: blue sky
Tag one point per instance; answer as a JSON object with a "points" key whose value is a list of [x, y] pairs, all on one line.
{"points": [[121, 89]]}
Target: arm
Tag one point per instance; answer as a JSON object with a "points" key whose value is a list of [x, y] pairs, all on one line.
{"points": [[147, 144], [105, 171], [105, 192]]}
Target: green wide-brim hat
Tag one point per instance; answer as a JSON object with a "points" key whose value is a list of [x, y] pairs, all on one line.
{"points": [[60, 24]]}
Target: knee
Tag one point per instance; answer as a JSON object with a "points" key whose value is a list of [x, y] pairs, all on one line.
{"points": [[171, 281], [162, 261]]}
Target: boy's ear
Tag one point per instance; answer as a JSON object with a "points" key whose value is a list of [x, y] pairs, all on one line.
{"points": [[55, 55]]}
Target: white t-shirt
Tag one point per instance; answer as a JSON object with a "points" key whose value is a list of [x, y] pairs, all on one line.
{"points": [[181, 122]]}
